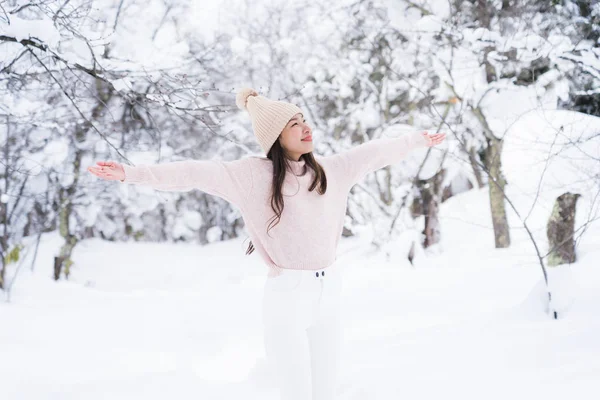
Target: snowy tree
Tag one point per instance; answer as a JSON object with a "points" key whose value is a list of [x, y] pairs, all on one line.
{"points": [[71, 99]]}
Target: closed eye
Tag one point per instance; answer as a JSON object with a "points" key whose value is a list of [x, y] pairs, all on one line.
{"points": [[295, 123]]}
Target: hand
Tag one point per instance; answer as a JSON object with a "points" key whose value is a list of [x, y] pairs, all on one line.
{"points": [[108, 170], [435, 139]]}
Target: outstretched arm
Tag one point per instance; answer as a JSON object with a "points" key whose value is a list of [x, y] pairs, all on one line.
{"points": [[375, 154], [226, 179]]}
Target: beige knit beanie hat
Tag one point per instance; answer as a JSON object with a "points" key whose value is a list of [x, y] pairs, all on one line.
{"points": [[269, 117]]}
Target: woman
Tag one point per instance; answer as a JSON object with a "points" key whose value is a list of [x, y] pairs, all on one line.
{"points": [[301, 298]]}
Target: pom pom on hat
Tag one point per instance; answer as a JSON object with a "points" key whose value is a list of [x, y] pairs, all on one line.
{"points": [[242, 97]]}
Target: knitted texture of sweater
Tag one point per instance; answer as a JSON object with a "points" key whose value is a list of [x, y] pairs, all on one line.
{"points": [[311, 224]]}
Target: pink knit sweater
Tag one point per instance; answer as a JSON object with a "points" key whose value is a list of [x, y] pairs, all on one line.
{"points": [[311, 225]]}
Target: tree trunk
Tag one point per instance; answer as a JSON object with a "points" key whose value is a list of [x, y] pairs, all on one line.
{"points": [[58, 262], [496, 186], [65, 213], [2, 271], [430, 194], [560, 230], [66, 195], [475, 166]]}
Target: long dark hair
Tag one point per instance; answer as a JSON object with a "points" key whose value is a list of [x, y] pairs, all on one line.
{"points": [[277, 156]]}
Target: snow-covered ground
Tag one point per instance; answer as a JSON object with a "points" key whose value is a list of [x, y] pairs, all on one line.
{"points": [[155, 321]]}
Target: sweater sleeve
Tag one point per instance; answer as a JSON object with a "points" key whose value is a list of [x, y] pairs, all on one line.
{"points": [[230, 180], [375, 154]]}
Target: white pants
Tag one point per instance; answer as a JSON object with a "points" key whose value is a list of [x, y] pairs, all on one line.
{"points": [[303, 331]]}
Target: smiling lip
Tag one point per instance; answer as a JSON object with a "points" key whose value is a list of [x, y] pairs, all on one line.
{"points": [[308, 139]]}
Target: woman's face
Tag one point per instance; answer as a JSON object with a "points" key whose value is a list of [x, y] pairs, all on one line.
{"points": [[296, 137]]}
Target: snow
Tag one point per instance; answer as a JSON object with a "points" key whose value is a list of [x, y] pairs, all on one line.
{"points": [[124, 84], [41, 30], [238, 45], [549, 153]]}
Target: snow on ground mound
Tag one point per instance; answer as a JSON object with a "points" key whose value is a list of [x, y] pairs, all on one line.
{"points": [[552, 152]]}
